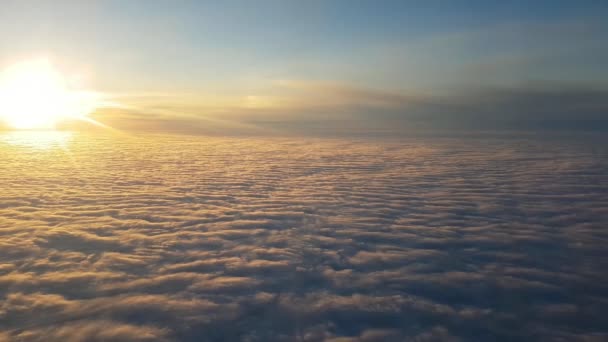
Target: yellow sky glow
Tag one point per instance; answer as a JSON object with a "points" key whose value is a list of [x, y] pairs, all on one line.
{"points": [[35, 95]]}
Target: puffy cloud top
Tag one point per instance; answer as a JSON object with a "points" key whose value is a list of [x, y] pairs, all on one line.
{"points": [[173, 238]]}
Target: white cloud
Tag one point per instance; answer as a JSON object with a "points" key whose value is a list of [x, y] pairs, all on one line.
{"points": [[188, 238]]}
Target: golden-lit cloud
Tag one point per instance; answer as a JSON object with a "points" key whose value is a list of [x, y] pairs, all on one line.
{"points": [[182, 238]]}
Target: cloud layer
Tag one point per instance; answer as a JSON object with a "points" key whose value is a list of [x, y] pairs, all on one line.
{"points": [[172, 238], [333, 108]]}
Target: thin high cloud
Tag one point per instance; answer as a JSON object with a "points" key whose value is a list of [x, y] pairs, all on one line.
{"points": [[301, 107], [302, 240]]}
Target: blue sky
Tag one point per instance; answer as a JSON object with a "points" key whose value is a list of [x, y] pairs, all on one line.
{"points": [[224, 54]]}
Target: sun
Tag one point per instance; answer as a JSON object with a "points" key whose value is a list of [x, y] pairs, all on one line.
{"points": [[35, 95]]}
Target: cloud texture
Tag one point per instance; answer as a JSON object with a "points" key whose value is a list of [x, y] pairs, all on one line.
{"points": [[173, 238]]}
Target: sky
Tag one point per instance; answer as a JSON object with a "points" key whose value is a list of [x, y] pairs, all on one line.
{"points": [[387, 63]]}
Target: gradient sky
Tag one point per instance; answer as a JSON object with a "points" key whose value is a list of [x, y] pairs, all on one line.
{"points": [[312, 58]]}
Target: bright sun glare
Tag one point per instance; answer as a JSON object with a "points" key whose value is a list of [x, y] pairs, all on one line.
{"points": [[35, 95]]}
